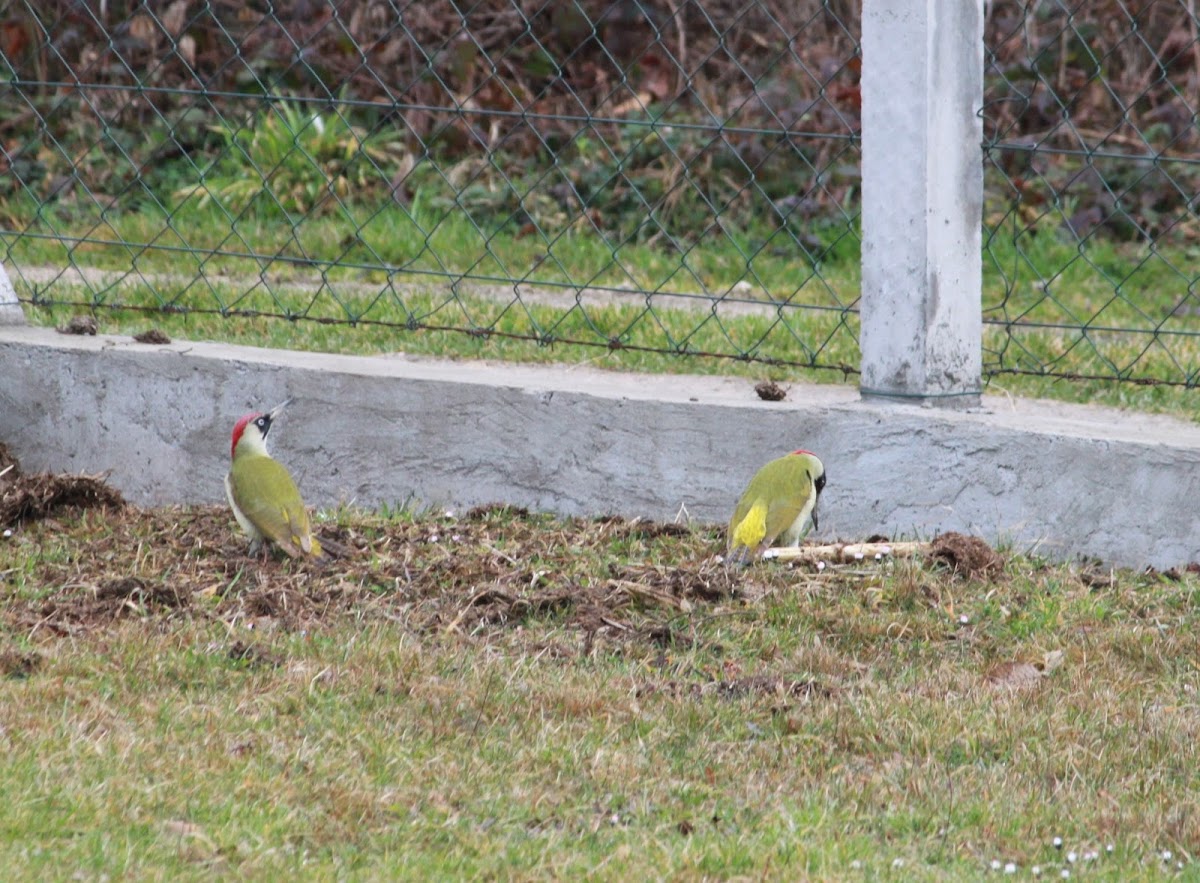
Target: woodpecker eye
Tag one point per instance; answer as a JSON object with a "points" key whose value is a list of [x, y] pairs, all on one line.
{"points": [[263, 422]]}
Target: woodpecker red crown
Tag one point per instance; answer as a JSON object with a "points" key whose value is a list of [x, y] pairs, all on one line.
{"points": [[802, 451], [239, 428]]}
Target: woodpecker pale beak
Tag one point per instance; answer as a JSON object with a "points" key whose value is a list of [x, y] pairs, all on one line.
{"points": [[278, 409]]}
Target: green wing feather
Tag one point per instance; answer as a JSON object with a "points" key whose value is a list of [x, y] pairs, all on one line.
{"points": [[284, 521], [782, 489]]}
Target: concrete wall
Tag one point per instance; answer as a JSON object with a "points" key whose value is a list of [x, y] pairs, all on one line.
{"points": [[370, 430]]}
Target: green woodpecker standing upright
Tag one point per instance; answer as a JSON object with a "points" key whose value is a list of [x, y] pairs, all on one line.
{"points": [[779, 501], [263, 496]]}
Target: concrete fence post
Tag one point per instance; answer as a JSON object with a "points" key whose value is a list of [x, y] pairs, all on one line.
{"points": [[922, 89], [10, 307]]}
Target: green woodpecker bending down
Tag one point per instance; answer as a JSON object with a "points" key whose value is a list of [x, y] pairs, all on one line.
{"points": [[263, 496], [779, 501]]}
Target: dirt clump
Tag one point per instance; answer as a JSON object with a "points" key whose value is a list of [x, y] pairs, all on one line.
{"points": [[966, 555], [79, 325], [770, 391], [19, 665], [33, 497], [251, 656], [152, 335]]}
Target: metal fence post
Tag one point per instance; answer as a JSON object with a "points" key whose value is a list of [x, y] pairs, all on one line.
{"points": [[922, 89]]}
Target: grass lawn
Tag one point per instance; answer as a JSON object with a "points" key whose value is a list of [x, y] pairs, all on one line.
{"points": [[496, 693]]}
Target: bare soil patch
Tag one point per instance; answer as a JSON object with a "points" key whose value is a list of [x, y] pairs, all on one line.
{"points": [[33, 497]]}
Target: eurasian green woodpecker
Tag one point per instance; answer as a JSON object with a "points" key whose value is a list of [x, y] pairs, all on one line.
{"points": [[263, 496], [779, 501]]}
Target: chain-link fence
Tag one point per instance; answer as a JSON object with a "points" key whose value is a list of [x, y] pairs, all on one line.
{"points": [[662, 176], [1092, 177], [675, 176]]}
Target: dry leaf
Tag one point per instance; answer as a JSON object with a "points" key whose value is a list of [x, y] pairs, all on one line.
{"points": [[184, 829], [1014, 675], [142, 28], [1051, 661], [1021, 675], [187, 49], [174, 17]]}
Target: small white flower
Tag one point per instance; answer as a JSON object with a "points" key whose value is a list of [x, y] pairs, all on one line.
{"points": [[449, 513], [1057, 842], [456, 538], [964, 620], [1071, 856], [7, 533], [1108, 848], [433, 538], [318, 124], [858, 556], [820, 565], [995, 864], [1066, 875], [1036, 870], [1010, 868], [1091, 856], [897, 863], [1166, 855], [878, 556], [855, 865]]}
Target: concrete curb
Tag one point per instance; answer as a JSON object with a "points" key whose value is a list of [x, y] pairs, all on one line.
{"points": [[1064, 479]]}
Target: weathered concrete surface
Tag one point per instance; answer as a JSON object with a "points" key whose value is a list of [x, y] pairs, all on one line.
{"points": [[371, 430], [922, 88]]}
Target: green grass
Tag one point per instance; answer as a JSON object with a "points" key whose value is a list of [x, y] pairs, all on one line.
{"points": [[422, 711], [368, 276]]}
